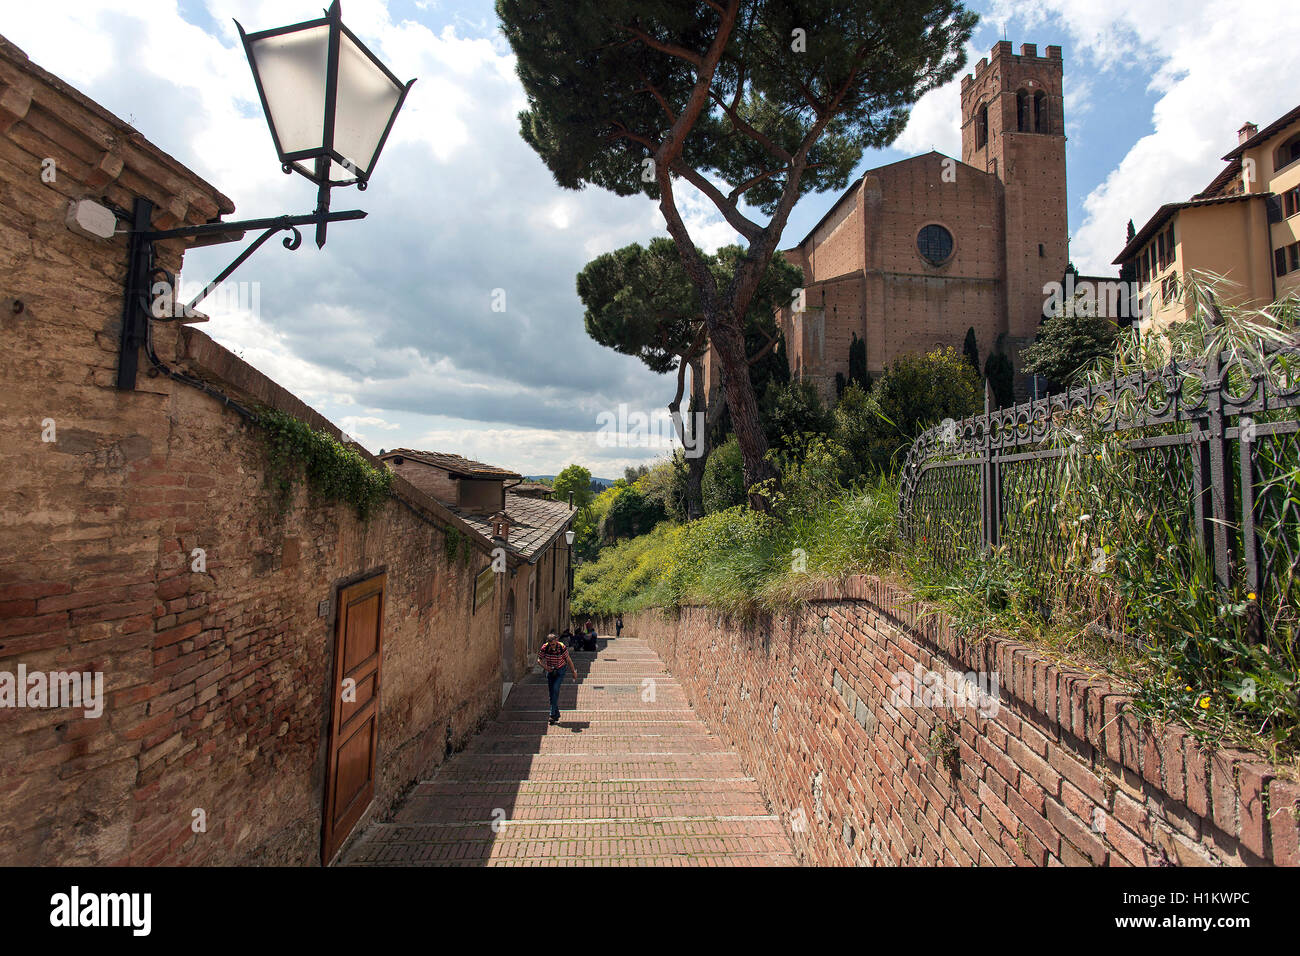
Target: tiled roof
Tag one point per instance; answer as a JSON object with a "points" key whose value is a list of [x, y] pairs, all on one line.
{"points": [[533, 488], [534, 523], [461, 467], [1267, 132], [1230, 172], [1165, 212]]}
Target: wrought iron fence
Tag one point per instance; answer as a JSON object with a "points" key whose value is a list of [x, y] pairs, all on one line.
{"points": [[1210, 448]]}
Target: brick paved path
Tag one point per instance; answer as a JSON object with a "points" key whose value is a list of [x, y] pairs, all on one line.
{"points": [[618, 782]]}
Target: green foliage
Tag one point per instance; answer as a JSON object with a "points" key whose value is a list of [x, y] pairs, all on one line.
{"points": [[743, 561], [724, 479], [639, 301], [1001, 375], [970, 348], [457, 544], [858, 374], [915, 392], [632, 513], [855, 430], [665, 483], [792, 414], [586, 73], [1068, 344], [334, 471], [810, 476], [577, 480]]}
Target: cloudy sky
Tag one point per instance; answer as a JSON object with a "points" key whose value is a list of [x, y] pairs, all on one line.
{"points": [[390, 330]]}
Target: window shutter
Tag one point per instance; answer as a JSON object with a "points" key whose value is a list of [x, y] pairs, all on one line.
{"points": [[1274, 204]]}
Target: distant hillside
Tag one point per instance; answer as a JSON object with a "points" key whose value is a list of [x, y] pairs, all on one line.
{"points": [[597, 484]]}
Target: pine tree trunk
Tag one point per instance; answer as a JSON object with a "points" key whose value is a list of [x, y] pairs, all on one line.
{"points": [[695, 466], [743, 405]]}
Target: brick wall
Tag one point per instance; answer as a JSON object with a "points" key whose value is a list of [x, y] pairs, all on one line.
{"points": [[1059, 772], [216, 680]]}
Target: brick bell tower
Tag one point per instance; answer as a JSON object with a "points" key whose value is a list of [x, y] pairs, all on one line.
{"points": [[1013, 126]]}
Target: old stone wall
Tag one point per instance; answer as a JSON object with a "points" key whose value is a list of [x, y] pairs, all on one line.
{"points": [[1052, 769], [140, 539]]}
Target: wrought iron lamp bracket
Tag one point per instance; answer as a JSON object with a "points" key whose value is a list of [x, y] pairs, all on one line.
{"points": [[138, 306]]}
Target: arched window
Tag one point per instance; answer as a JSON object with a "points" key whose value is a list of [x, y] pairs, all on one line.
{"points": [[1022, 112], [1041, 123], [935, 244], [982, 127], [1287, 153]]}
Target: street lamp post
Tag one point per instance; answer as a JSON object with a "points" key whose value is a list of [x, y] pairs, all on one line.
{"points": [[330, 105], [568, 540]]}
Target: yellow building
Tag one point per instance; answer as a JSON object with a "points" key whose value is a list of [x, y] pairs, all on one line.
{"points": [[1244, 226]]}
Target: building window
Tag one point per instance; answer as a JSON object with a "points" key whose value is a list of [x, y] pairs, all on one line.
{"points": [[1291, 202], [935, 244], [1287, 153], [1041, 122], [1023, 118], [1287, 259], [982, 127]]}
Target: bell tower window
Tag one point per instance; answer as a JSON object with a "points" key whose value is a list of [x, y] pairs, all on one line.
{"points": [[1041, 122], [1023, 119]]}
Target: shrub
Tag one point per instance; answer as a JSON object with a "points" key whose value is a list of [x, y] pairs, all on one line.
{"points": [[724, 478], [915, 392], [791, 413], [1068, 344]]}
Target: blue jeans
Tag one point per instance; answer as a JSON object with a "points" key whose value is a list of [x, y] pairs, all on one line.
{"points": [[553, 681]]}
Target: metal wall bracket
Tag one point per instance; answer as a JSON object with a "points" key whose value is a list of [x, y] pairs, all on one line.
{"points": [[138, 300]]}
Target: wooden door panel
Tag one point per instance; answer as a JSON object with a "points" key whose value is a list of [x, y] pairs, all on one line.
{"points": [[354, 723], [355, 770]]}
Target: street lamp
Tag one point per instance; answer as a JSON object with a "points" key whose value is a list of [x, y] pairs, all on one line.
{"points": [[568, 539], [330, 104], [328, 100]]}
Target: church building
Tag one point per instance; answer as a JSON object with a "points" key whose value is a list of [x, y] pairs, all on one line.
{"points": [[918, 251]]}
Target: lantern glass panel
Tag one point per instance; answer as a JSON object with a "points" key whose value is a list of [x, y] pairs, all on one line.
{"points": [[292, 69], [367, 98]]}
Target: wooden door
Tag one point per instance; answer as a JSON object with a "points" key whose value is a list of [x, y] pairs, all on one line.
{"points": [[354, 721]]}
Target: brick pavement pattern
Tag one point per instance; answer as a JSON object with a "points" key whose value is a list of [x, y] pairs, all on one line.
{"points": [[629, 777]]}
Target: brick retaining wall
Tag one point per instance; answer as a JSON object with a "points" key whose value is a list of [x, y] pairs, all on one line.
{"points": [[1058, 772]]}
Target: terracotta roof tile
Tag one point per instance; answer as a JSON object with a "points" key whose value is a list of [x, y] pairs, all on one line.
{"points": [[534, 523], [455, 464]]}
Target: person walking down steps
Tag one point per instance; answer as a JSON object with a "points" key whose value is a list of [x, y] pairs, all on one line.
{"points": [[555, 660]]}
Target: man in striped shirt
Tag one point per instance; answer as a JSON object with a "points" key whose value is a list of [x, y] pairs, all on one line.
{"points": [[555, 660]]}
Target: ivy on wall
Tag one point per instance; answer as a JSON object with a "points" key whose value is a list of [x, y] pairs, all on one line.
{"points": [[333, 470], [457, 544]]}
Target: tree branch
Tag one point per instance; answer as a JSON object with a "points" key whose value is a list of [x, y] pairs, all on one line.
{"points": [[737, 123], [738, 220], [659, 98], [680, 52]]}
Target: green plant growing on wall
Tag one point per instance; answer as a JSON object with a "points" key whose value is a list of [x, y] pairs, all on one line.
{"points": [[334, 471], [457, 544], [942, 748]]}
